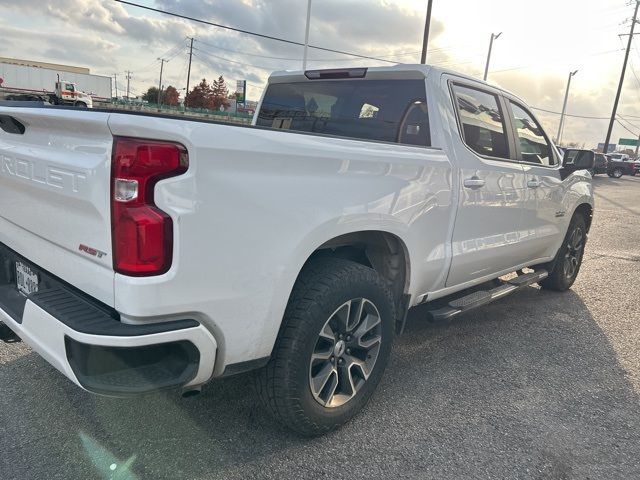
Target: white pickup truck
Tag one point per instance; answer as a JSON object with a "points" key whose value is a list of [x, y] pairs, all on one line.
{"points": [[140, 252]]}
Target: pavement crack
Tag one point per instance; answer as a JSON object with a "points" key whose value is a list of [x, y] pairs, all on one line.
{"points": [[628, 258]]}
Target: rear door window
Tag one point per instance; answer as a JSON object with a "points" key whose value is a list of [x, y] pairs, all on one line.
{"points": [[381, 110], [482, 121]]}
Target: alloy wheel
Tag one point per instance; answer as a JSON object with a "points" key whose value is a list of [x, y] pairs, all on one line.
{"points": [[345, 353], [573, 253]]}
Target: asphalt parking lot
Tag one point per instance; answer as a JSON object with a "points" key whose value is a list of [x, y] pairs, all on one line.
{"points": [[537, 385]]}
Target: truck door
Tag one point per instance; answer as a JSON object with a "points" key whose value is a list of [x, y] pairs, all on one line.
{"points": [[544, 211], [486, 236]]}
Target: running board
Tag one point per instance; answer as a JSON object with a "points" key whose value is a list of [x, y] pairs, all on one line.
{"points": [[482, 297]]}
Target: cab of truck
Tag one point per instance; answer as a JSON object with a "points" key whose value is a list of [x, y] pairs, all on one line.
{"points": [[67, 92]]}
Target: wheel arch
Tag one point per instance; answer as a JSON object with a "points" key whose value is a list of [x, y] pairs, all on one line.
{"points": [[383, 251], [586, 210]]}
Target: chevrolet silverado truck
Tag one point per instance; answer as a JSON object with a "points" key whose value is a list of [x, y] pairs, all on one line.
{"points": [[141, 253]]}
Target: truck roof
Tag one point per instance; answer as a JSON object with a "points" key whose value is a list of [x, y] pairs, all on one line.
{"points": [[401, 71]]}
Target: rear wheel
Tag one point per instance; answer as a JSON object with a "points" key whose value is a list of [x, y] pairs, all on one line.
{"points": [[332, 349], [569, 258]]}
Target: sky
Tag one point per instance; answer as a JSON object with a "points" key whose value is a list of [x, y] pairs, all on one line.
{"points": [[541, 42]]}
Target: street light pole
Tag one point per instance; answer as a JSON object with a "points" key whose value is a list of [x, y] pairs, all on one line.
{"points": [[425, 39], [306, 37], [486, 67], [624, 70], [128, 80], [564, 108]]}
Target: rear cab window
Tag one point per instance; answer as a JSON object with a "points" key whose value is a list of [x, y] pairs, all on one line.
{"points": [[481, 120], [376, 110]]}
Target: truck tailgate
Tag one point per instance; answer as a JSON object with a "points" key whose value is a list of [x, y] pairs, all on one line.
{"points": [[54, 194]]}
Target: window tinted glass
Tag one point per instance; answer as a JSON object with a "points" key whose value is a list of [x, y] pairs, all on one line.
{"points": [[533, 144], [482, 122], [365, 109]]}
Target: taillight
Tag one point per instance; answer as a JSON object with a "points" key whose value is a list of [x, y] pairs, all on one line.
{"points": [[142, 234]]}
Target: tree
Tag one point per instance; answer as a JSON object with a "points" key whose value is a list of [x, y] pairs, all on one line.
{"points": [[170, 96], [220, 94], [201, 96], [151, 96]]}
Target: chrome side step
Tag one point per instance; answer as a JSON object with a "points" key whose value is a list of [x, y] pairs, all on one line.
{"points": [[482, 297]]}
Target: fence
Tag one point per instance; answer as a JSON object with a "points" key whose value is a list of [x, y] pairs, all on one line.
{"points": [[180, 111]]}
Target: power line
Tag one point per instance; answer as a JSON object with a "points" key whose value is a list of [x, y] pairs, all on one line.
{"points": [[170, 54], [230, 61], [627, 129], [248, 32], [297, 59], [587, 117], [553, 60]]}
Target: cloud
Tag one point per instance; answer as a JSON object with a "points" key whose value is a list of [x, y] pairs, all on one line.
{"points": [[103, 17], [109, 38], [74, 48], [361, 26]]}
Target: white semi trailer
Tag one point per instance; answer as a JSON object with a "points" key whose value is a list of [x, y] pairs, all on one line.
{"points": [[60, 85]]}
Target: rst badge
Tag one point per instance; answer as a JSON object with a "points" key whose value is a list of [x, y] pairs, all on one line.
{"points": [[91, 251]]}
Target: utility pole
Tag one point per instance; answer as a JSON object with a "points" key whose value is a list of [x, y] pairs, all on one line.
{"points": [[115, 81], [564, 108], [306, 37], [637, 147], [427, 27], [128, 79], [188, 73], [162, 61], [624, 70], [486, 67]]}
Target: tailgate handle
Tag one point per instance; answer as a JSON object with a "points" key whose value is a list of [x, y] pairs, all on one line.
{"points": [[11, 125]]}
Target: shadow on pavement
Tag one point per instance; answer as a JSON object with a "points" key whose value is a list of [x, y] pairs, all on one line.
{"points": [[528, 387]]}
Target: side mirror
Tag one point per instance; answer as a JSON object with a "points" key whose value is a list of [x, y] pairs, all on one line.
{"points": [[579, 159]]}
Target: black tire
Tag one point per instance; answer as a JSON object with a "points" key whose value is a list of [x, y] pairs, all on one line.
{"points": [[561, 278], [617, 173], [81, 105], [285, 384]]}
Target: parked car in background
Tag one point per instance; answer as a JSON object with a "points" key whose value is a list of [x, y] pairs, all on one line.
{"points": [[618, 166], [600, 164]]}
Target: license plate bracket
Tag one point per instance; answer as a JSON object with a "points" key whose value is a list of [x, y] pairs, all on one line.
{"points": [[27, 280]]}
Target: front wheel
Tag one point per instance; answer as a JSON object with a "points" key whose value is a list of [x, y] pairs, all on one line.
{"points": [[569, 258], [332, 349], [617, 173]]}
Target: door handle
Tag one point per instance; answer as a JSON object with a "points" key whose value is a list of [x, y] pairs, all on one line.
{"points": [[473, 182], [534, 183]]}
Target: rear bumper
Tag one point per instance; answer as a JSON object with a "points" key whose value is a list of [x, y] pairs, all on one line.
{"points": [[86, 341]]}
